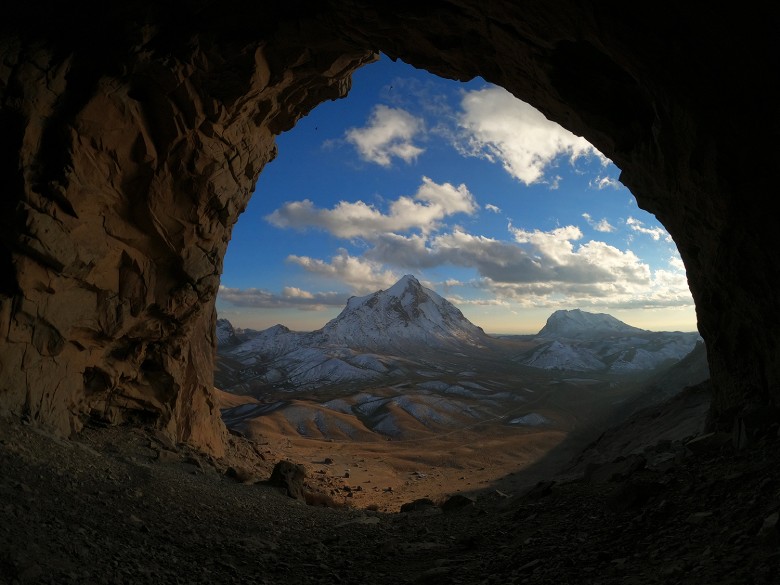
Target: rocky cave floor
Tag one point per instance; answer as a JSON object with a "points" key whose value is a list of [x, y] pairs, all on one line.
{"points": [[124, 505]]}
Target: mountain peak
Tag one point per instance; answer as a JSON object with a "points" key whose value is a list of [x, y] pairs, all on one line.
{"points": [[576, 323], [407, 282], [406, 313]]}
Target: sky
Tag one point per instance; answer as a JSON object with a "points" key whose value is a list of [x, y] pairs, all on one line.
{"points": [[484, 200]]}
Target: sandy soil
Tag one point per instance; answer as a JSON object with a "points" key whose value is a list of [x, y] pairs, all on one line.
{"points": [[385, 475], [382, 474]]}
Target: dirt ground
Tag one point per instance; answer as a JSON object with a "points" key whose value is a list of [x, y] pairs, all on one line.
{"points": [[383, 474], [123, 505]]}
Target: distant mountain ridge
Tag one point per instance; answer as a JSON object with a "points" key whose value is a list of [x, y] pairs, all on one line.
{"points": [[578, 324], [405, 363], [375, 335], [579, 341]]}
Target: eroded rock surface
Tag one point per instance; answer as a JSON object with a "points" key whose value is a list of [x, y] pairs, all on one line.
{"points": [[132, 136], [122, 183]]}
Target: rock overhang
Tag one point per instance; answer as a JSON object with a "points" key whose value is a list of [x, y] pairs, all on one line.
{"points": [[132, 138]]}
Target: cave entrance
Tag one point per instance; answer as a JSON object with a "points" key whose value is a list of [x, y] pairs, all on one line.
{"points": [[478, 197]]}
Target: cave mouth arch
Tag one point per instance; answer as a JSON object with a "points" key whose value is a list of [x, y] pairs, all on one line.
{"points": [[141, 131]]}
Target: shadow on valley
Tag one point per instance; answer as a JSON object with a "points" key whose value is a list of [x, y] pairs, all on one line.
{"points": [[401, 398]]}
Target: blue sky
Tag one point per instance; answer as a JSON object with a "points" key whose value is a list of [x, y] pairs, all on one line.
{"points": [[477, 194]]}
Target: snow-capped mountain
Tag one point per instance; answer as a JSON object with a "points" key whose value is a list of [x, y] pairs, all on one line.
{"points": [[385, 334], [562, 356], [368, 340], [405, 362], [577, 324], [580, 341], [404, 315]]}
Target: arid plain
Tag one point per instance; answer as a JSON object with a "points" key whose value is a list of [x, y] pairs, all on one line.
{"points": [[381, 445]]}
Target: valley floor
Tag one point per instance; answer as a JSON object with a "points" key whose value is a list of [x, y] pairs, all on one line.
{"points": [[121, 505]]}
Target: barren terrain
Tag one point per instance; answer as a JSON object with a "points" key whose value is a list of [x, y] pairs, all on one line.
{"points": [[439, 425], [124, 505], [383, 475]]}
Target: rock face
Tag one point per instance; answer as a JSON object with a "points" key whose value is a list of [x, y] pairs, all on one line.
{"points": [[123, 176], [132, 135]]}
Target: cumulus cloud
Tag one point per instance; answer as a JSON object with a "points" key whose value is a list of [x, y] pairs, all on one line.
{"points": [[496, 259], [676, 263], [547, 261], [405, 252], [605, 182], [389, 134], [361, 275], [662, 292], [493, 208], [291, 297], [601, 225], [656, 233], [430, 204], [499, 127], [537, 269], [555, 245]]}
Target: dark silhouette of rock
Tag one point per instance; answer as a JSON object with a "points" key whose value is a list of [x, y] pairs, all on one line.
{"points": [[618, 470], [457, 502], [418, 505], [290, 477], [541, 490]]}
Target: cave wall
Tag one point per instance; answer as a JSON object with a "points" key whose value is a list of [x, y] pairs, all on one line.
{"points": [[132, 137], [122, 179]]}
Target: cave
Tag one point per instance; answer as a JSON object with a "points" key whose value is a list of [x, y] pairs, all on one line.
{"points": [[132, 136]]}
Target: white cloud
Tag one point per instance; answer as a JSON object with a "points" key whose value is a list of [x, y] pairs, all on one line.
{"points": [[493, 208], [554, 245], [655, 233], [291, 297], [500, 127], [676, 263], [389, 134], [445, 196], [476, 302], [404, 252], [664, 291], [548, 260], [553, 269], [605, 182], [361, 275], [432, 203], [296, 293], [601, 225]]}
